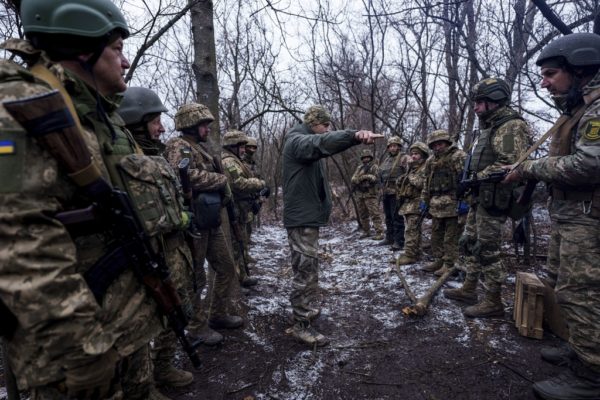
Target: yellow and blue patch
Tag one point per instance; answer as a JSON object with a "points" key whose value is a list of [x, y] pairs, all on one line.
{"points": [[7, 147]]}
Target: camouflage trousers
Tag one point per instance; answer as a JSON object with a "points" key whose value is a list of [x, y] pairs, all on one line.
{"points": [[578, 284], [412, 236], [444, 239], [483, 249], [137, 374], [394, 222], [304, 246], [368, 209], [164, 349]]}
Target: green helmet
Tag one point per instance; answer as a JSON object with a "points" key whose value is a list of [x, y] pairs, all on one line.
{"points": [[366, 153], [251, 142], [492, 89], [422, 147], [577, 49], [438, 135], [394, 140], [138, 102], [88, 18], [234, 138], [192, 114], [316, 115]]}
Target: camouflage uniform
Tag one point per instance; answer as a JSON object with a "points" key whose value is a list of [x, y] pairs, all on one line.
{"points": [[365, 182], [408, 192], [442, 172], [61, 327], [243, 186], [252, 166], [571, 171], [392, 167], [211, 244]]}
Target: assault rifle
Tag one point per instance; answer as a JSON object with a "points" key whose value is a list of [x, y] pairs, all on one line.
{"points": [[494, 177], [47, 118]]}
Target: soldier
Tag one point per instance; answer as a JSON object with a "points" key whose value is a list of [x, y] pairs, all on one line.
{"points": [[141, 109], [307, 206], [570, 69], [501, 142], [409, 188], [250, 162], [365, 181], [390, 170], [63, 342], [243, 186], [439, 196], [211, 192]]}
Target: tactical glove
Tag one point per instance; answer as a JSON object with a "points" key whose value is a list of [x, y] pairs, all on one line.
{"points": [[462, 208], [423, 207]]}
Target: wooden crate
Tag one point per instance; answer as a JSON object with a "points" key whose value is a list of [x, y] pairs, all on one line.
{"points": [[529, 305]]}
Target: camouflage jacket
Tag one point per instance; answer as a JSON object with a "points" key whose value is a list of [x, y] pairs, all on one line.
{"points": [[243, 185], [409, 187], [574, 177], [203, 175], [251, 164], [390, 170], [442, 173], [60, 324], [365, 180]]}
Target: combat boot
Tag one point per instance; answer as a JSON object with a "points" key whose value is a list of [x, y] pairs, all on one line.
{"points": [[378, 236], [466, 293], [578, 382], [365, 235], [155, 394], [171, 376], [313, 313], [385, 242], [397, 246], [560, 356], [249, 281], [305, 333], [206, 336], [491, 306], [225, 322], [405, 260], [434, 266], [445, 268]]}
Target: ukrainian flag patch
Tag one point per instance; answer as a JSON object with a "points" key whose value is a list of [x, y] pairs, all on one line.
{"points": [[7, 147]]}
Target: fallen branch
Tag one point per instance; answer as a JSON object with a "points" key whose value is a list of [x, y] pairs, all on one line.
{"points": [[420, 305], [242, 388]]}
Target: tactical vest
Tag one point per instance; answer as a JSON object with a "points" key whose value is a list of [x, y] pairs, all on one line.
{"points": [[443, 180], [389, 171], [406, 190]]}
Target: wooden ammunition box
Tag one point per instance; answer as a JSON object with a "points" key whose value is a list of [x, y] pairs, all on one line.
{"points": [[529, 305]]}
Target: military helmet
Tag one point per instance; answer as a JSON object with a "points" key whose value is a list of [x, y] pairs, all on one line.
{"points": [[138, 102], [192, 114], [251, 142], [316, 115], [422, 147], [438, 135], [234, 138], [366, 153], [394, 140], [578, 49], [88, 18], [493, 89]]}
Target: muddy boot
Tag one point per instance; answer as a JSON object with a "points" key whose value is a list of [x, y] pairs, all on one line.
{"points": [[466, 293], [491, 306], [225, 322], [397, 246], [313, 313], [434, 266], [206, 335], [557, 355], [384, 242], [365, 235], [405, 260], [249, 281], [171, 376], [305, 333], [445, 268], [155, 394], [578, 382], [378, 236]]}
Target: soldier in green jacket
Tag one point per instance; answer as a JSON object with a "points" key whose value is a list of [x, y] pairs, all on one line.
{"points": [[307, 206], [390, 169], [365, 183]]}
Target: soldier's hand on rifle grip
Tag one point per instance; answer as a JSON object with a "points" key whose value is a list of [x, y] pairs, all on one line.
{"points": [[514, 173]]}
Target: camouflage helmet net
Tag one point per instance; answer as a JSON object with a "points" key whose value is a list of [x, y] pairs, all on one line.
{"points": [[492, 89], [234, 138], [366, 153], [251, 142], [316, 115], [394, 140], [438, 135], [420, 146], [192, 114]]}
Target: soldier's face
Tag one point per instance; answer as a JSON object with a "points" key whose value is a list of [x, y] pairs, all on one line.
{"points": [[241, 150], [393, 149], [321, 128], [250, 150], [109, 70], [556, 80], [155, 128], [439, 146], [366, 160], [415, 156], [482, 106], [203, 131]]}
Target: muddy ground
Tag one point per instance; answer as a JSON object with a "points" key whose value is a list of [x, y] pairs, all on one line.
{"points": [[375, 352]]}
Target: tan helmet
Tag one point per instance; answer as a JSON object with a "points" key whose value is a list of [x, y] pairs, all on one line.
{"points": [[366, 153], [394, 140], [316, 115], [251, 142], [438, 135], [192, 114], [422, 147], [234, 138]]}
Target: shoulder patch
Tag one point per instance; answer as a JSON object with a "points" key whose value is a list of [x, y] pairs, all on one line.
{"points": [[592, 130], [7, 147]]}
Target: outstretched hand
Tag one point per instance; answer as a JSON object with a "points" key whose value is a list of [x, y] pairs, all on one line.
{"points": [[367, 137]]}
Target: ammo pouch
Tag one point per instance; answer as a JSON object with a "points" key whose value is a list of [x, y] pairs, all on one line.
{"points": [[206, 207], [499, 199], [154, 191]]}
